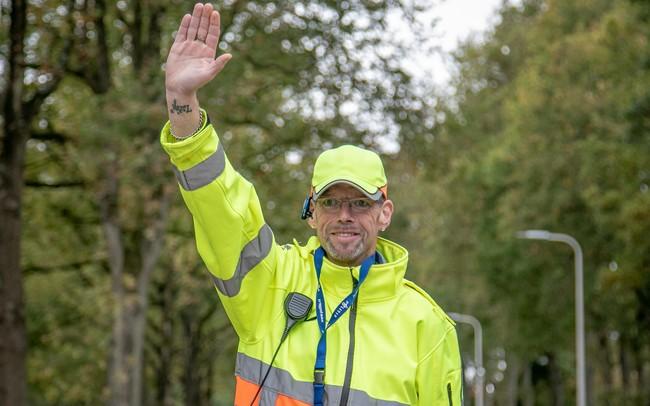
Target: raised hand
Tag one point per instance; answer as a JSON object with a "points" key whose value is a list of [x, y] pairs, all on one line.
{"points": [[191, 62], [190, 65]]}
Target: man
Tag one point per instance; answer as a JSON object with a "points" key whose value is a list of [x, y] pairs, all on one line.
{"points": [[372, 337]]}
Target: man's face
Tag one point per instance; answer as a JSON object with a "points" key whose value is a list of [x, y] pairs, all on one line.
{"points": [[349, 235]]}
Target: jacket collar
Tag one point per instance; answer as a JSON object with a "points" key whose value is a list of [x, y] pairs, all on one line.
{"points": [[382, 281]]}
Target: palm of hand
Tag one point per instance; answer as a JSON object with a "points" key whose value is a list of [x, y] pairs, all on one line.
{"points": [[191, 63], [189, 66]]}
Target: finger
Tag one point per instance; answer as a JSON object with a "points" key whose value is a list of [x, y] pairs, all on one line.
{"points": [[181, 35], [194, 23], [213, 31], [205, 21]]}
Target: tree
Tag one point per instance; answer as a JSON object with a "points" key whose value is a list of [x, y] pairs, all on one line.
{"points": [[21, 103], [544, 131], [115, 208]]}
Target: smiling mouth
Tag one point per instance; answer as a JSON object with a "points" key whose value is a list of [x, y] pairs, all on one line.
{"points": [[345, 232], [345, 237]]}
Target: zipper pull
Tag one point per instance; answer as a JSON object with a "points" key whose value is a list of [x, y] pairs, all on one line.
{"points": [[355, 283]]}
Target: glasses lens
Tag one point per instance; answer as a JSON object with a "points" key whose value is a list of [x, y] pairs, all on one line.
{"points": [[361, 204], [330, 203], [356, 205]]}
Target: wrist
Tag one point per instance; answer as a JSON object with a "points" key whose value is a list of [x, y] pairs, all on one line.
{"points": [[184, 114], [202, 122], [177, 88], [181, 96], [180, 106]]}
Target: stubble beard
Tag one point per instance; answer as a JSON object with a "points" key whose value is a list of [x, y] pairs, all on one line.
{"points": [[344, 256]]}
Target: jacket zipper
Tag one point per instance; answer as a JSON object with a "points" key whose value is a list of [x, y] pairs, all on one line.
{"points": [[449, 393], [345, 392]]}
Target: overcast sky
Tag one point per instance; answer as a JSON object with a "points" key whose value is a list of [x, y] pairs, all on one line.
{"points": [[461, 18], [457, 21]]}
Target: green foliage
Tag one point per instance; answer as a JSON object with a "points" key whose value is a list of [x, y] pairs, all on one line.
{"points": [[68, 315], [547, 127], [95, 149], [547, 130]]}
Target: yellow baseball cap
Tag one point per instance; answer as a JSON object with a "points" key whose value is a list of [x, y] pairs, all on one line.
{"points": [[355, 166]]}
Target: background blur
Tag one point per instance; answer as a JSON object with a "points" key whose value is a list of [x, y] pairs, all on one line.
{"points": [[544, 124]]}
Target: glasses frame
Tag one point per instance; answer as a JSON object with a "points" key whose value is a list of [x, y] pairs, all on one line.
{"points": [[354, 208]]}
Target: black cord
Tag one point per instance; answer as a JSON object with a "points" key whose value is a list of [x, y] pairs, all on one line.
{"points": [[284, 336], [296, 307]]}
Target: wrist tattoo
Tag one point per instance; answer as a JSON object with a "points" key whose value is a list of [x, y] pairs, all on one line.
{"points": [[180, 109]]}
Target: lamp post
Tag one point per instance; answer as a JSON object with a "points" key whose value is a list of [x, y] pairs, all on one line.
{"points": [[478, 352], [581, 394]]}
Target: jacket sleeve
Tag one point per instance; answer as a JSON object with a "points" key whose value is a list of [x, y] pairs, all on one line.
{"points": [[439, 374], [232, 238]]}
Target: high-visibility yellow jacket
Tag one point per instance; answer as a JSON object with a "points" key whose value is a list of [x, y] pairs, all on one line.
{"points": [[395, 346]]}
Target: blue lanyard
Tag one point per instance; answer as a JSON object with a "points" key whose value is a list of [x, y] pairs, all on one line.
{"points": [[319, 367]]}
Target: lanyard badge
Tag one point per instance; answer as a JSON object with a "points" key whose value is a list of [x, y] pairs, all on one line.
{"points": [[323, 325]]}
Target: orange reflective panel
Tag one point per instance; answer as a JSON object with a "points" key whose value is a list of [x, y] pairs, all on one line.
{"points": [[244, 392], [283, 400]]}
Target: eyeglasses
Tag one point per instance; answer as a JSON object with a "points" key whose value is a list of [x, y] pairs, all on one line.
{"points": [[332, 205]]}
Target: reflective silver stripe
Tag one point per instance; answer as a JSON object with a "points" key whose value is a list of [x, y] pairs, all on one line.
{"points": [[252, 254], [204, 172], [268, 397], [281, 381], [358, 397]]}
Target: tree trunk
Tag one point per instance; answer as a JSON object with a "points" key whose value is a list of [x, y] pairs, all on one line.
{"points": [[207, 387], [191, 380], [131, 302], [150, 251], [513, 380], [117, 375], [130, 305], [529, 390], [594, 368], [644, 367], [166, 295], [13, 341], [194, 323], [557, 385], [17, 114]]}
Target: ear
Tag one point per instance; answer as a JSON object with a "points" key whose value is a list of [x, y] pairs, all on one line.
{"points": [[312, 220], [385, 215]]}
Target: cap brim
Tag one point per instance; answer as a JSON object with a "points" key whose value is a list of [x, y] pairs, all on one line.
{"points": [[372, 192]]}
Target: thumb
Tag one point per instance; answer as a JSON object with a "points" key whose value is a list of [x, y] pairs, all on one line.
{"points": [[219, 63]]}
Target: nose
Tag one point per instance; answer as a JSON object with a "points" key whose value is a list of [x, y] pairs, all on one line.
{"points": [[345, 212]]}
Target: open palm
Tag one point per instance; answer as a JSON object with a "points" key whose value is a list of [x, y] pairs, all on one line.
{"points": [[191, 63]]}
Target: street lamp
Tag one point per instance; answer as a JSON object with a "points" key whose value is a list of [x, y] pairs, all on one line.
{"points": [[478, 351], [581, 394]]}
